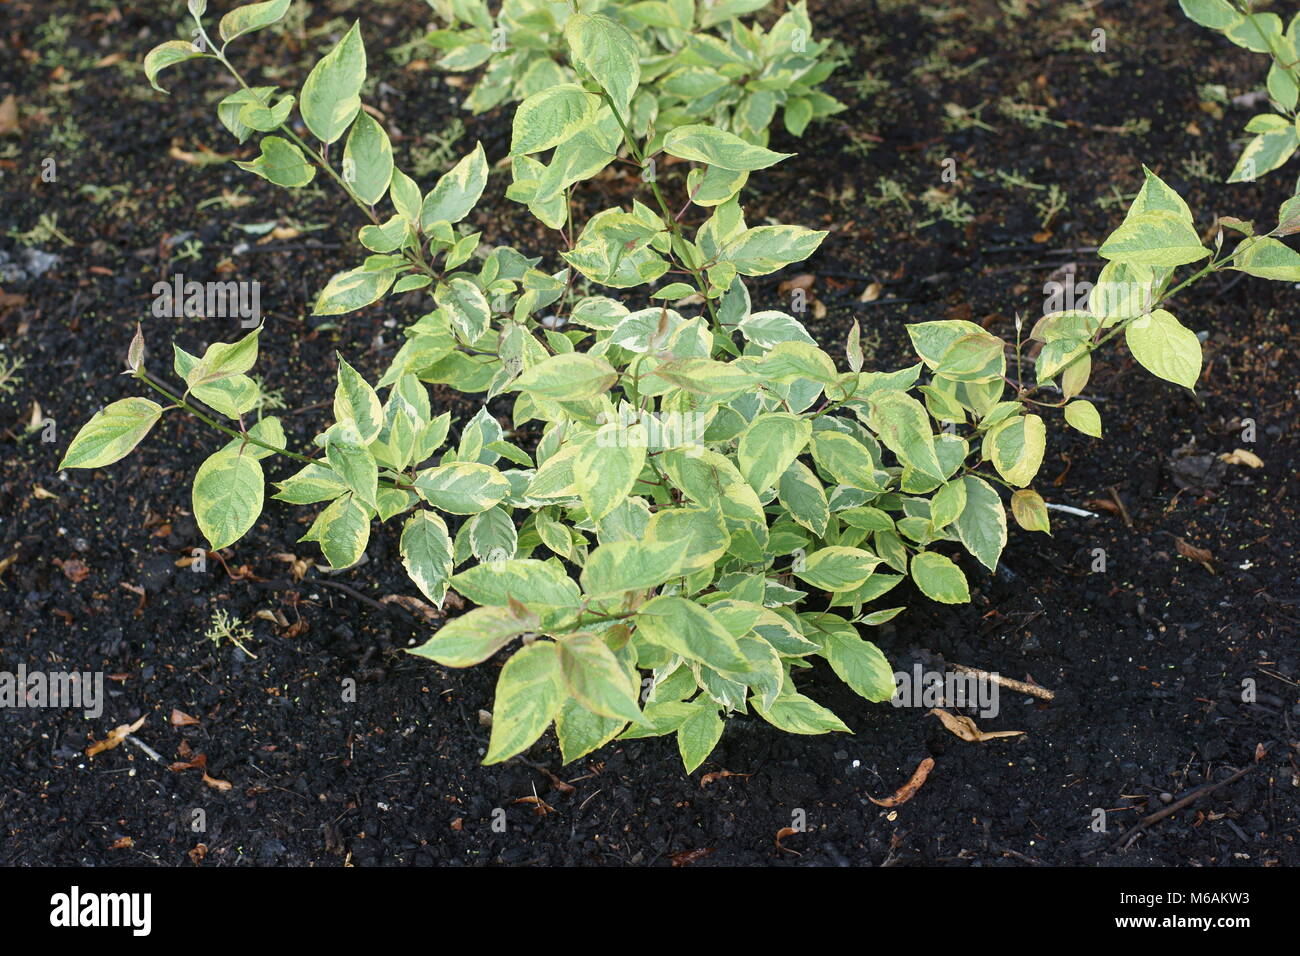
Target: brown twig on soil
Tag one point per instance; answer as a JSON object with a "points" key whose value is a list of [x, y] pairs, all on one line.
{"points": [[1119, 503], [1126, 840], [1033, 690], [389, 610]]}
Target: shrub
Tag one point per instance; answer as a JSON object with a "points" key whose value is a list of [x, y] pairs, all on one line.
{"points": [[1275, 136], [696, 65], [712, 502]]}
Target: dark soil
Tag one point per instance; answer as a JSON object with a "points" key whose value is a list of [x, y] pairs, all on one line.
{"points": [[1147, 658]]}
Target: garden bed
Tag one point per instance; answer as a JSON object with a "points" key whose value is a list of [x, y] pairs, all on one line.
{"points": [[1147, 658]]}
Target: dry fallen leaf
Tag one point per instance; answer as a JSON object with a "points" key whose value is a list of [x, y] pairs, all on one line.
{"points": [[73, 569], [803, 281], [200, 762], [43, 495], [540, 806], [115, 737], [1239, 456], [181, 719], [297, 566], [781, 834], [908, 790], [965, 728], [122, 843], [871, 293], [9, 116]]}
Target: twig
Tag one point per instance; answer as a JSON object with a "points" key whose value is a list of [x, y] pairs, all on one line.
{"points": [[1119, 502], [1033, 690], [1177, 805]]}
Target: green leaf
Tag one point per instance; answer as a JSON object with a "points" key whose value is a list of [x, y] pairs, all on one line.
{"points": [[1255, 31], [845, 459], [462, 488], [227, 496], [596, 679], [1154, 238], [455, 194], [608, 465], [475, 636], [331, 95], [698, 735], [836, 568], [356, 401], [253, 16], [1276, 142], [604, 49], [1215, 14], [221, 360], [904, 428], [349, 291], [1268, 258], [859, 663], [269, 430], [765, 249], [797, 714], [982, 525], [769, 445], [368, 157], [580, 731], [708, 144], [1016, 448], [530, 691], [231, 108], [258, 114], [630, 565], [687, 629], [351, 459], [551, 116], [111, 433], [939, 579], [427, 554], [465, 306], [1165, 347], [281, 162], [568, 377], [342, 530], [804, 497], [312, 484], [165, 55], [405, 196], [540, 585], [1083, 416], [767, 329]]}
